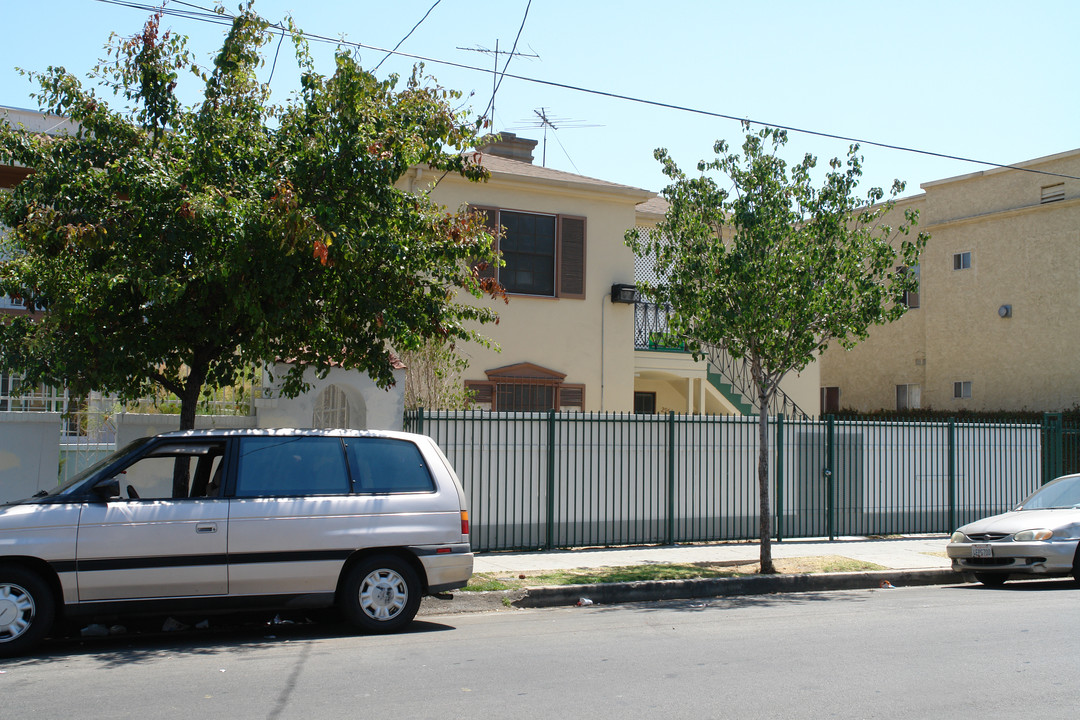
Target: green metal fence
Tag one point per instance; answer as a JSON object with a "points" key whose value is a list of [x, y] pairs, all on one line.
{"points": [[547, 480]]}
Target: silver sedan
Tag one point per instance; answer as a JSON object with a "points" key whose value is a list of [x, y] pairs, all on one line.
{"points": [[1039, 537]]}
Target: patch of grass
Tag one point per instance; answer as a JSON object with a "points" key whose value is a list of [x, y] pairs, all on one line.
{"points": [[633, 573]]}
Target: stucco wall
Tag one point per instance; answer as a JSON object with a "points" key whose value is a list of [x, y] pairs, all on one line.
{"points": [[370, 407], [29, 457], [589, 340]]}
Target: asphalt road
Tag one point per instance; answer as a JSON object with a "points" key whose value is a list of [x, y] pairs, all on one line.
{"points": [[943, 651]]}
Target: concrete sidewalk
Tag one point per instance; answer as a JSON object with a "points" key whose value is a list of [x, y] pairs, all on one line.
{"points": [[902, 553], [910, 560]]}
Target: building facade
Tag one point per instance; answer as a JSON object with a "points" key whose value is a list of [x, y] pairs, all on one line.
{"points": [[993, 326]]}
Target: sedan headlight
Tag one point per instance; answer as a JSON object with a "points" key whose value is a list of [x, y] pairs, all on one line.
{"points": [[958, 537], [1029, 535]]}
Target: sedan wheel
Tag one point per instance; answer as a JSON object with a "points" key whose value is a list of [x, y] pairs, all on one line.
{"points": [[380, 594], [26, 610]]}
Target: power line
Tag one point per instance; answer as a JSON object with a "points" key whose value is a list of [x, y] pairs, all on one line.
{"points": [[418, 23], [209, 16]]}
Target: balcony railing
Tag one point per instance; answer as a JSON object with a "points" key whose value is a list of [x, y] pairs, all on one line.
{"points": [[652, 331]]}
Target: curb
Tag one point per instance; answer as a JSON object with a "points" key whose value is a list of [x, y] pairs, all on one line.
{"points": [[653, 590]]}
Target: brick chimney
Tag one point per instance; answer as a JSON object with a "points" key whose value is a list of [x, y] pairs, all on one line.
{"points": [[512, 147]]}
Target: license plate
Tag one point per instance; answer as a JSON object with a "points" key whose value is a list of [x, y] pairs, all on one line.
{"points": [[982, 550]]}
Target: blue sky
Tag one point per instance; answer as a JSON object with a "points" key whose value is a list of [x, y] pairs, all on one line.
{"points": [[989, 80]]}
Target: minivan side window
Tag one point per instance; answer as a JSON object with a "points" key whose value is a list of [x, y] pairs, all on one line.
{"points": [[275, 466], [172, 470], [385, 465]]}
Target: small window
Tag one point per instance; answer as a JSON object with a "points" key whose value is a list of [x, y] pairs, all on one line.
{"points": [[525, 387], [961, 261], [644, 403], [289, 465], [830, 400], [1053, 193], [385, 465], [908, 397], [962, 389], [911, 298]]}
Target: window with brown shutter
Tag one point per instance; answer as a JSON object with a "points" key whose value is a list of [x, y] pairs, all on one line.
{"points": [[526, 387], [543, 254]]}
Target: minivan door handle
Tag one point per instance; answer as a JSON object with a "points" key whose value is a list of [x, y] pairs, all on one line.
{"points": [[206, 528]]}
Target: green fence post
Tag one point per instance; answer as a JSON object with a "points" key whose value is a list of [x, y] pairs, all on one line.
{"points": [[671, 479], [551, 480], [779, 465], [830, 458], [1052, 447], [952, 475], [420, 420]]}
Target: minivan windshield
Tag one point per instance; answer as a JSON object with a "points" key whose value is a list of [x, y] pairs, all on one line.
{"points": [[1061, 493], [83, 474]]}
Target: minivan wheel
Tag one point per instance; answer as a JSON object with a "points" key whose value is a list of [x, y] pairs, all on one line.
{"points": [[992, 579], [27, 609], [380, 594]]}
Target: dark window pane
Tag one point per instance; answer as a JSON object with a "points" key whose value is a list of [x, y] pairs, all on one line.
{"points": [[291, 466], [524, 398], [528, 249], [382, 465], [644, 402]]}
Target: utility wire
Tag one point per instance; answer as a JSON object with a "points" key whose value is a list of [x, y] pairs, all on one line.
{"points": [[491, 105], [391, 52], [210, 16]]}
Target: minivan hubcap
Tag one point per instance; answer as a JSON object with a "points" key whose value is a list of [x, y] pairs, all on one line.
{"points": [[383, 594], [16, 611]]}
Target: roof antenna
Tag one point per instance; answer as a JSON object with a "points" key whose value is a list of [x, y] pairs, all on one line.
{"points": [[543, 119], [495, 73]]}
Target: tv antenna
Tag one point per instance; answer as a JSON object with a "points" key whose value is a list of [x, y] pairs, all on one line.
{"points": [[495, 74], [542, 118]]}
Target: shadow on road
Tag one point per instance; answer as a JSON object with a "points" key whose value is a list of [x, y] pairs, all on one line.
{"points": [[852, 597], [1031, 585], [144, 640]]}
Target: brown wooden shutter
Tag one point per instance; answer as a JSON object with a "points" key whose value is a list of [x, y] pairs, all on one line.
{"points": [[483, 393], [571, 397], [571, 257]]}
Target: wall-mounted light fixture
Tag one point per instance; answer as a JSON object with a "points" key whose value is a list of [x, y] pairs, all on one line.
{"points": [[623, 293], [1005, 311]]}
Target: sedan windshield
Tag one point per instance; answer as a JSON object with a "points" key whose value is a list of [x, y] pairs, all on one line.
{"points": [[1061, 493]]}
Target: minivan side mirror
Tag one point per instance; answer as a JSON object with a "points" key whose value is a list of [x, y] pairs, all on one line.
{"points": [[107, 489]]}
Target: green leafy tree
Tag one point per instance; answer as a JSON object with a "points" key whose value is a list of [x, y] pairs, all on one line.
{"points": [[175, 246], [776, 268]]}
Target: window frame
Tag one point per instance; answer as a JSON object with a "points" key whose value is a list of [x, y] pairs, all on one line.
{"points": [[570, 251], [962, 260], [650, 398], [961, 390], [908, 403], [565, 396], [912, 300]]}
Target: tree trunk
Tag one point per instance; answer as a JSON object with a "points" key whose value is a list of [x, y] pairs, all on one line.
{"points": [[189, 403], [765, 508]]}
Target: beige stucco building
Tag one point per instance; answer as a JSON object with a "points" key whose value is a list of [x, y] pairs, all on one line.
{"points": [[994, 324], [568, 338]]}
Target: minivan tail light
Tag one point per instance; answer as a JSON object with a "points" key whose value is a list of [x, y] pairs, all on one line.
{"points": [[464, 522]]}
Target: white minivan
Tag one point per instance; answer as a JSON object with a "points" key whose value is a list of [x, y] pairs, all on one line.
{"points": [[219, 520]]}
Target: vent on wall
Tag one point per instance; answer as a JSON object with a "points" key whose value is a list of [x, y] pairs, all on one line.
{"points": [[1053, 193]]}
